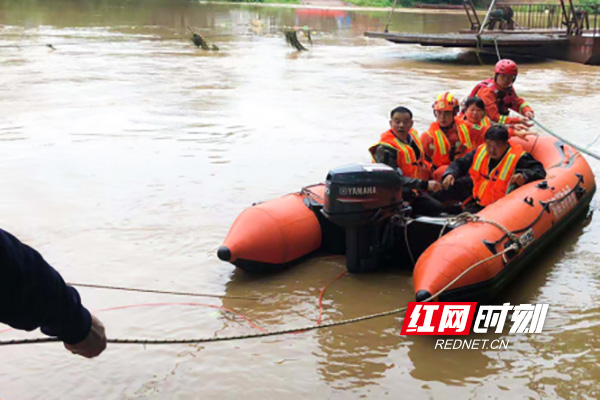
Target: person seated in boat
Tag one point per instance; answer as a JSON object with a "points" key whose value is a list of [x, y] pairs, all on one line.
{"points": [[499, 96], [404, 139], [449, 137], [401, 148], [474, 113], [488, 173]]}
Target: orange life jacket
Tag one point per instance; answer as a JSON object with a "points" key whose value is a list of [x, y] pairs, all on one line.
{"points": [[407, 161], [441, 144], [484, 123], [505, 99], [489, 186]]}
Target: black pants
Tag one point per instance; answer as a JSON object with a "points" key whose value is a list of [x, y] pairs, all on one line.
{"points": [[460, 191], [423, 203]]}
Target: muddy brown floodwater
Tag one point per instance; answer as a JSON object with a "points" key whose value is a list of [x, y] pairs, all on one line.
{"points": [[127, 153]]}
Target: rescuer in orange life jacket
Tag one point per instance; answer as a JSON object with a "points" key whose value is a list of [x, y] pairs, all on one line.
{"points": [[474, 113], [400, 147], [488, 173], [499, 95], [449, 137]]}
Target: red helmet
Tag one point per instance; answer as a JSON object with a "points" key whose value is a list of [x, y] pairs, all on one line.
{"points": [[506, 67], [446, 102]]}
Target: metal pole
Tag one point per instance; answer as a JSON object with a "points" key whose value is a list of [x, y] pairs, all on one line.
{"points": [[595, 17], [387, 25], [486, 17], [565, 17]]}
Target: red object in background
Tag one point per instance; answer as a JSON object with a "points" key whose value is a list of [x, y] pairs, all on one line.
{"points": [[320, 12]]}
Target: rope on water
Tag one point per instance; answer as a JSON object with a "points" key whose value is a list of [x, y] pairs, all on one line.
{"points": [[514, 246], [478, 49], [579, 148], [323, 294], [128, 289], [592, 142], [497, 50]]}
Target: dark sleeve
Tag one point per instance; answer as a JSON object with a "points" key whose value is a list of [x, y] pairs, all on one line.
{"points": [[531, 168], [33, 294], [386, 155], [460, 167], [414, 183]]}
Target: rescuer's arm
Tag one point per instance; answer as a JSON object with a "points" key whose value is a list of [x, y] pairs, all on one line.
{"points": [[34, 295], [523, 108], [460, 167], [491, 108], [530, 168]]}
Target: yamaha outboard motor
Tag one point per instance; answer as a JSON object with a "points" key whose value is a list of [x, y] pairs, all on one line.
{"points": [[362, 199]]}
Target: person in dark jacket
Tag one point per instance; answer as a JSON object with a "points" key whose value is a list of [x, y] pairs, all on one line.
{"points": [[414, 190], [490, 172], [34, 295], [400, 148]]}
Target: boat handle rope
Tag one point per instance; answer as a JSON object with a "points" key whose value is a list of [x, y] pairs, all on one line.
{"points": [[545, 208], [468, 217], [306, 191], [512, 247]]}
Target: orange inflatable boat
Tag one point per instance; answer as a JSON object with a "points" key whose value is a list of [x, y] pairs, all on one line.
{"points": [[359, 212]]}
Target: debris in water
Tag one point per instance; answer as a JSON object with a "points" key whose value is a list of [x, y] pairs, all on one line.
{"points": [[199, 41], [291, 37]]}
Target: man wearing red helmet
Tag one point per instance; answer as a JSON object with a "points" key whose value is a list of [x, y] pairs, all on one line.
{"points": [[499, 95], [449, 137]]}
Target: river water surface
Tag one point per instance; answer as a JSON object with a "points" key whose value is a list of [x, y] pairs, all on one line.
{"points": [[127, 153]]}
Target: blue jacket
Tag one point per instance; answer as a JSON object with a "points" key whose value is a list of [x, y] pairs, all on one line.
{"points": [[33, 294]]}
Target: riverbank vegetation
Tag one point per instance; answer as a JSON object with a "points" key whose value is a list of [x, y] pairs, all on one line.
{"points": [[262, 1], [364, 3], [480, 4]]}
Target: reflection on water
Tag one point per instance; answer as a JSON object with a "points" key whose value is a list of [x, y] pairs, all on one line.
{"points": [[128, 153]]}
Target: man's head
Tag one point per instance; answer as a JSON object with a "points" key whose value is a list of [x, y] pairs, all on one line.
{"points": [[496, 141], [474, 109], [401, 121], [505, 73], [445, 107]]}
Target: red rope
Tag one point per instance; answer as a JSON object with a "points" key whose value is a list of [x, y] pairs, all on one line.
{"points": [[252, 324], [323, 292]]}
